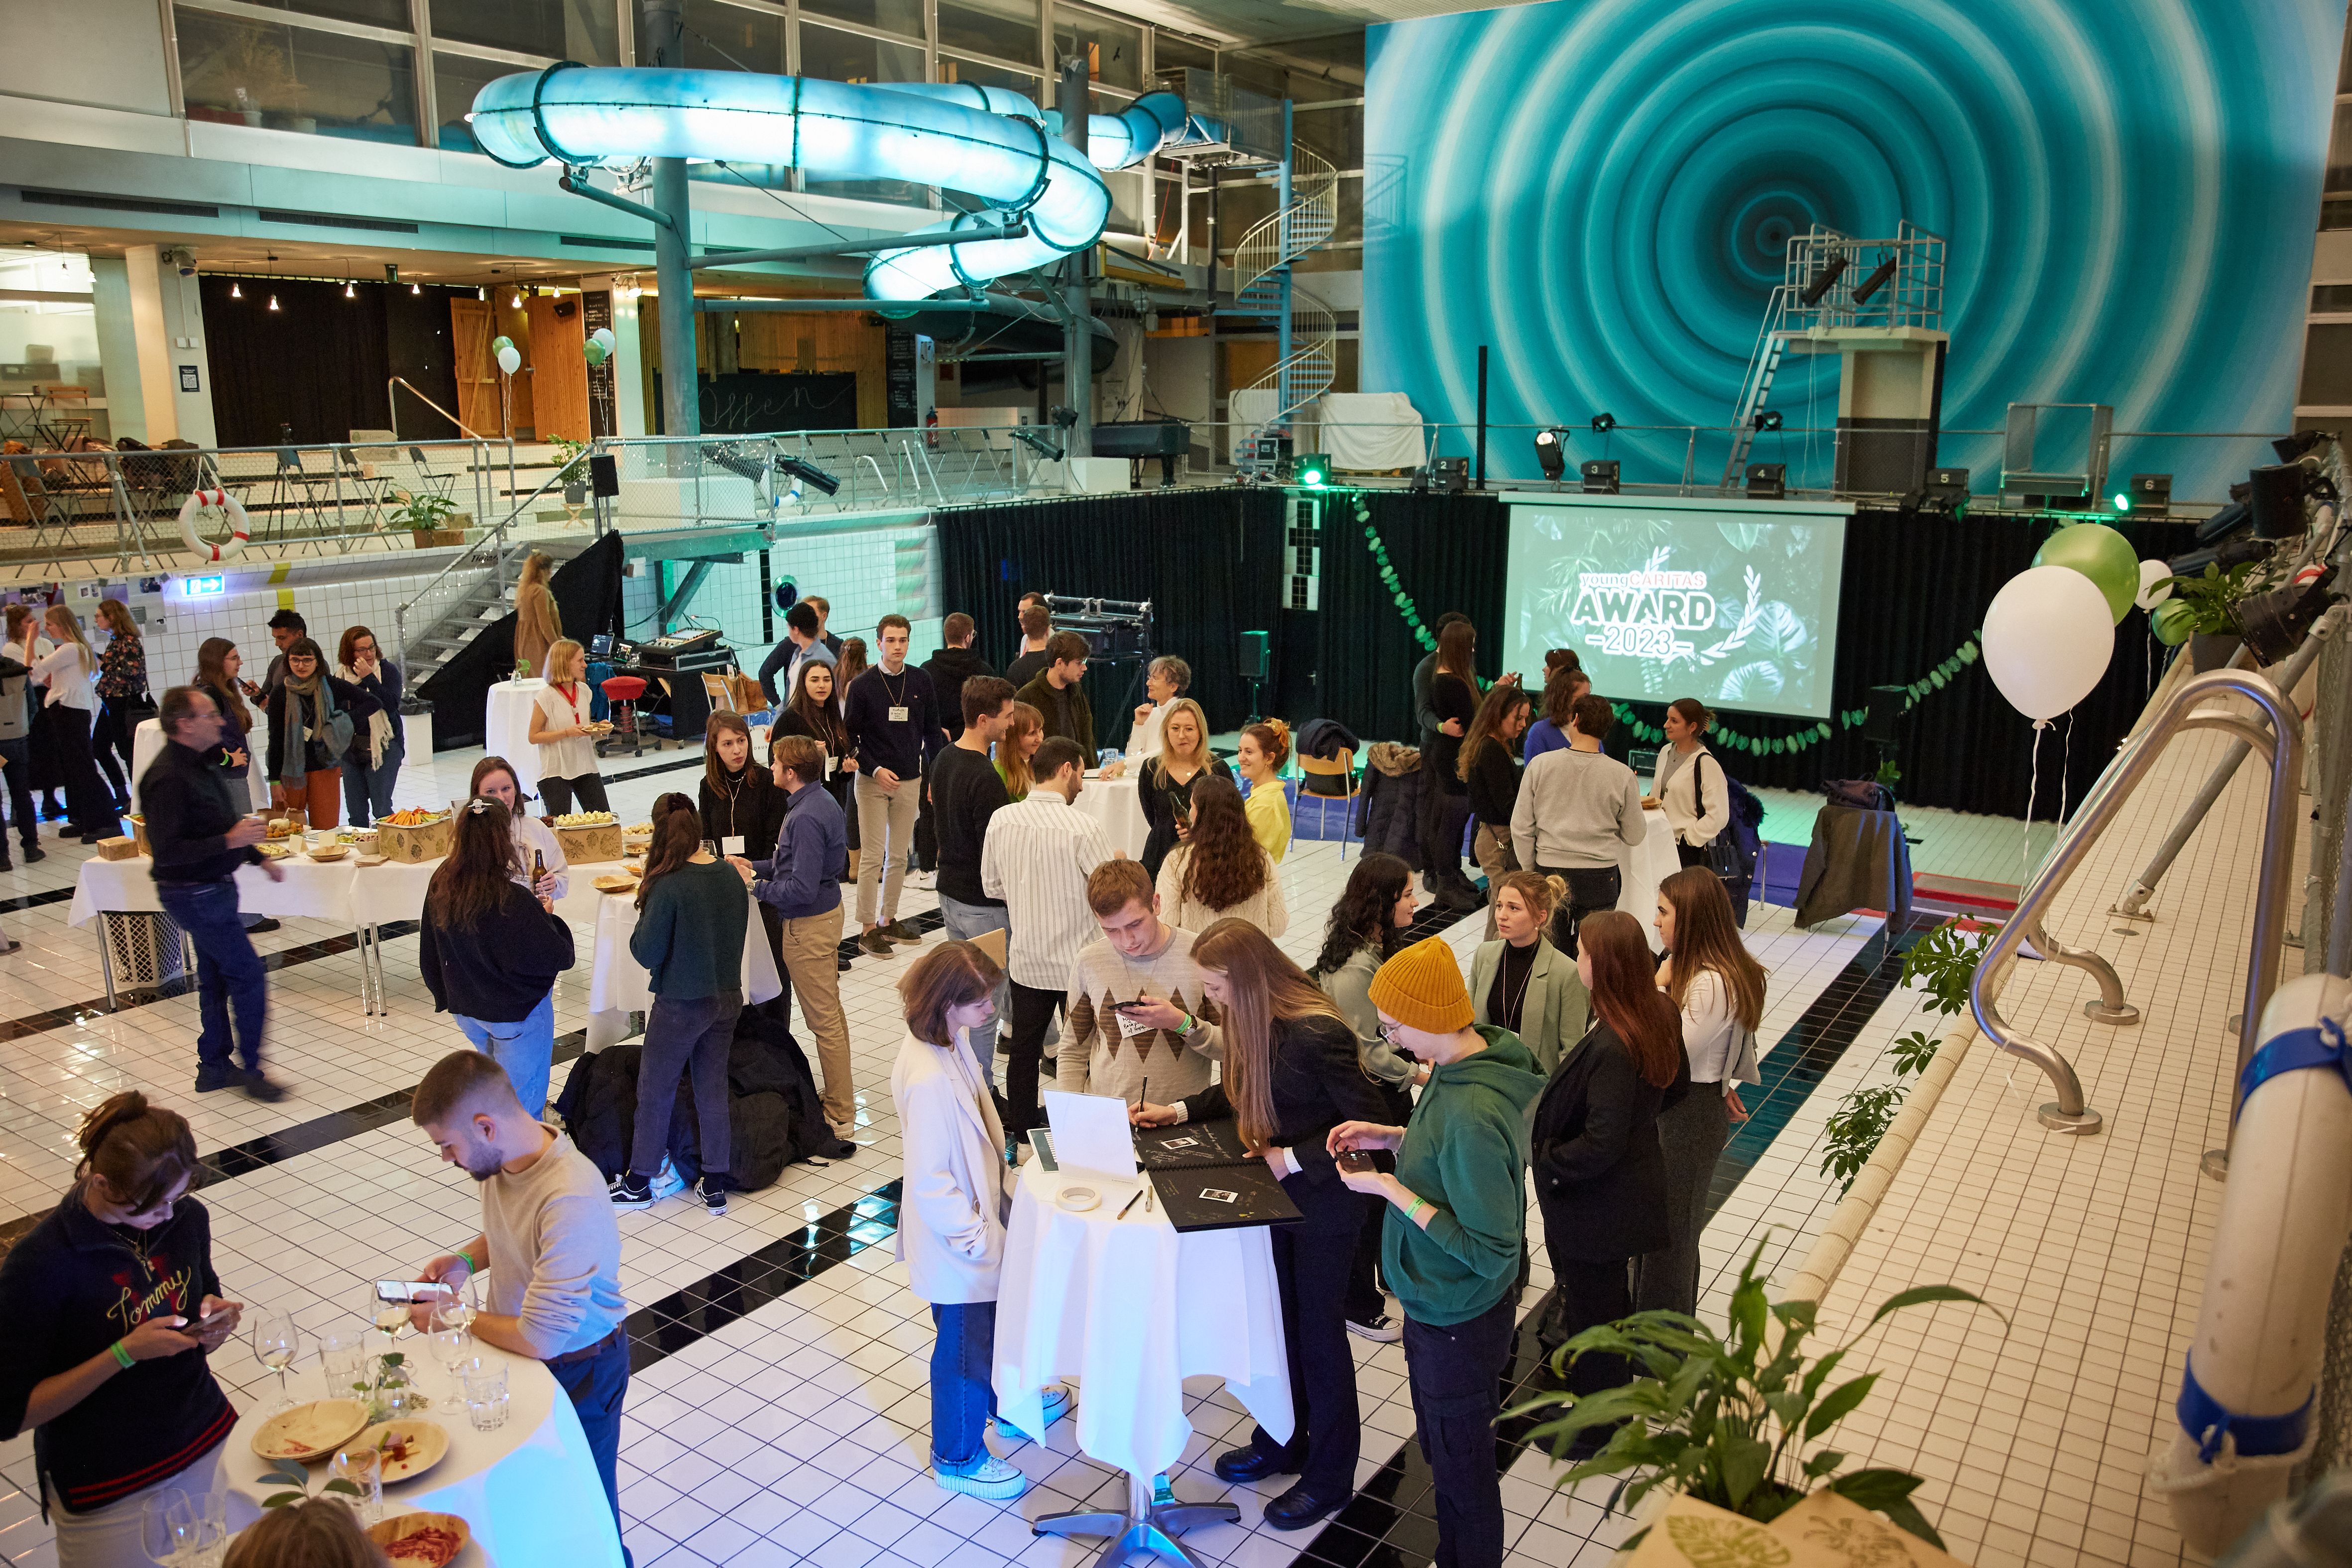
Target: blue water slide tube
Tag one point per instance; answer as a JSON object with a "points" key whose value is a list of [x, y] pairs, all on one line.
{"points": [[983, 141]]}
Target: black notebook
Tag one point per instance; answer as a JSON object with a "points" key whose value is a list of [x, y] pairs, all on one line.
{"points": [[1207, 1180]]}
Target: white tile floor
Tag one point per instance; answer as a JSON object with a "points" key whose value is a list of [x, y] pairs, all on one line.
{"points": [[798, 1431]]}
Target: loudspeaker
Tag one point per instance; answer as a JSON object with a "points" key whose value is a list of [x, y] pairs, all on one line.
{"points": [[1599, 476], [1767, 481], [1886, 712], [2277, 500], [604, 475], [1256, 657]]}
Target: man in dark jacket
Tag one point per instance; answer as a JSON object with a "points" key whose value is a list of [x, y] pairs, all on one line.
{"points": [[953, 664], [1057, 694], [200, 835]]}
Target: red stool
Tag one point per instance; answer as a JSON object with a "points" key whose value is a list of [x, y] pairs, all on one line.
{"points": [[623, 691]]}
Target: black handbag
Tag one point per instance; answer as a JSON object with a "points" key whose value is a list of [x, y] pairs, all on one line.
{"points": [[1723, 854]]}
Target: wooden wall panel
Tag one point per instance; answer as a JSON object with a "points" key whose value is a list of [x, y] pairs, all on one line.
{"points": [[558, 369]]}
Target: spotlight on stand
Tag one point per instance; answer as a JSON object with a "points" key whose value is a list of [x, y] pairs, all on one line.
{"points": [[1551, 451], [1825, 280], [1946, 493], [2290, 447], [2274, 623], [1037, 441], [1602, 423], [1767, 481], [809, 474], [1765, 419], [1313, 469], [1599, 476], [1874, 282]]}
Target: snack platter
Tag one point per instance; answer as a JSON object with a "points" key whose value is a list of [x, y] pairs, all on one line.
{"points": [[583, 819]]}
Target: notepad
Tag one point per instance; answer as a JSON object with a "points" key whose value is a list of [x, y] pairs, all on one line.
{"points": [[1091, 1134], [1208, 1180]]}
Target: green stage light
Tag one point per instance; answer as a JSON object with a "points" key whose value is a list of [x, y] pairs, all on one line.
{"points": [[2123, 502], [1314, 469]]}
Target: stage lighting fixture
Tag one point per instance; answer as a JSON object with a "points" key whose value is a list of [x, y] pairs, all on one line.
{"points": [[1602, 423], [416, 288], [481, 292], [2150, 494], [1765, 419], [1036, 440], [1313, 468], [1825, 280], [2277, 501], [1599, 476], [809, 474], [2236, 552], [1874, 282], [351, 291], [2290, 447], [1767, 481], [1551, 451], [1947, 491], [1449, 476], [235, 289], [2274, 623]]}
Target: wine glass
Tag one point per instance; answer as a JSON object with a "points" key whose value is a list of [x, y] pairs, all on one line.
{"points": [[275, 1339], [390, 1317], [453, 1342]]}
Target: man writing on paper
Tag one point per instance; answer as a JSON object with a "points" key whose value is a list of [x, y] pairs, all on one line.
{"points": [[1134, 998]]}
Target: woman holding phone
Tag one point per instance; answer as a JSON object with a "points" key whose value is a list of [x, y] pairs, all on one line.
{"points": [[113, 1306], [1291, 1076], [1164, 784]]}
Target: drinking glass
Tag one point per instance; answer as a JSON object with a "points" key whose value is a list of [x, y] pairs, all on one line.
{"points": [[169, 1530], [342, 1356], [453, 1343], [363, 1467], [275, 1340], [486, 1394], [389, 1317]]}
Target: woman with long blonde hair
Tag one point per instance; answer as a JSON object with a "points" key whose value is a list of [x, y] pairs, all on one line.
{"points": [[538, 624], [1164, 785], [68, 669], [1718, 987], [1025, 732], [560, 728], [1291, 1076]]}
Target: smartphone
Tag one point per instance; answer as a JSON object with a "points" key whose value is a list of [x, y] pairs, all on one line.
{"points": [[1362, 1162], [1128, 1006], [410, 1291]]}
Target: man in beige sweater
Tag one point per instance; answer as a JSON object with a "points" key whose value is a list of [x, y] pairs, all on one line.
{"points": [[548, 1240], [1135, 1001]]}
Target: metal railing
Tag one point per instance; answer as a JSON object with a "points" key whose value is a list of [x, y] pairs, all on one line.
{"points": [[669, 482], [395, 385], [2281, 746], [443, 591]]}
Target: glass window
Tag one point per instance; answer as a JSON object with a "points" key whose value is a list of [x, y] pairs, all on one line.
{"points": [[457, 78], [1028, 85], [2327, 367], [1005, 28], [728, 37], [1113, 51], [292, 79], [902, 16], [584, 30], [377, 13], [851, 56], [1168, 51]]}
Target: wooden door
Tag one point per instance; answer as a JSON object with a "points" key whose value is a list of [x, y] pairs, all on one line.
{"points": [[477, 369], [559, 365]]}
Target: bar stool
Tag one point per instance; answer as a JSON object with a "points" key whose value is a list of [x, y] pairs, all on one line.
{"points": [[623, 691]]}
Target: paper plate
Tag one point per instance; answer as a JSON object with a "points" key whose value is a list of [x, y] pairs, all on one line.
{"points": [[429, 1536], [412, 1446], [309, 1431]]}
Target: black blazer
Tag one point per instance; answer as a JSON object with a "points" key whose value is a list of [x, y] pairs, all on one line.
{"points": [[1600, 1176], [1317, 1086], [1162, 803], [756, 810]]}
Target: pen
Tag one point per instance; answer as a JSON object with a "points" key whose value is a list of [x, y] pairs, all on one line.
{"points": [[1130, 1203]]}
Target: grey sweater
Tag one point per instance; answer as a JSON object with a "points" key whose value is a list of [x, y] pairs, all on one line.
{"points": [[1574, 809], [555, 1252]]}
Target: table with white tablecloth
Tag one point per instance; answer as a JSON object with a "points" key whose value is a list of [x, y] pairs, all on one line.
{"points": [[1130, 1309], [1641, 869], [310, 890], [147, 744], [506, 729], [1118, 805], [528, 1491], [618, 985]]}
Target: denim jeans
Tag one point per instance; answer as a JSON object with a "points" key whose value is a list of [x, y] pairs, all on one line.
{"points": [[525, 1050], [227, 969], [367, 792], [963, 922], [598, 1385], [963, 1389], [1455, 1374], [687, 1038]]}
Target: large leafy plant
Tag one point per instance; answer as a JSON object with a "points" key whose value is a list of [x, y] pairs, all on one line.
{"points": [[2213, 597], [1730, 1421], [1944, 962]]}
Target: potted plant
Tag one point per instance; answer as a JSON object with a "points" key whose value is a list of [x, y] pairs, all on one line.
{"points": [[572, 470], [2211, 601], [1730, 1422], [424, 517], [1944, 962]]}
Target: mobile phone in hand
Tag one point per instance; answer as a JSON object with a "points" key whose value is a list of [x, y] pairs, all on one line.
{"points": [[1358, 1162], [409, 1292]]}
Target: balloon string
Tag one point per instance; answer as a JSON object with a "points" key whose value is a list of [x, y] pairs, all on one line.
{"points": [[2033, 780], [2065, 756]]}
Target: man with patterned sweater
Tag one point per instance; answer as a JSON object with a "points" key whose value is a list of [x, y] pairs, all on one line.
{"points": [[1164, 1036]]}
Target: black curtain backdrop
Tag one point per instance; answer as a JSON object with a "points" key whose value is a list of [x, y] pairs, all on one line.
{"points": [[587, 594], [1912, 591], [1208, 561], [318, 363], [420, 348]]}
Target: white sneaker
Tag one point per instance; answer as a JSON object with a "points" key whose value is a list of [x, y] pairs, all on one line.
{"points": [[1380, 1327], [1056, 1405], [994, 1479], [928, 881]]}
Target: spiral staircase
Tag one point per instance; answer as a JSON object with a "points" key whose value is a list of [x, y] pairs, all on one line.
{"points": [[1263, 262]]}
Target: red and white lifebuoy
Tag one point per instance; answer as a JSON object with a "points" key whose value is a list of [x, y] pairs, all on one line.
{"points": [[214, 501]]}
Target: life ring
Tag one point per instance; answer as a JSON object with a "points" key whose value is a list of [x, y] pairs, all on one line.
{"points": [[221, 500]]}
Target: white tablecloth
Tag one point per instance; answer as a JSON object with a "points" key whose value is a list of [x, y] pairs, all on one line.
{"points": [[1132, 1309], [528, 1491], [310, 892], [1370, 432], [1118, 805], [506, 729], [619, 984], [147, 742], [1640, 870]]}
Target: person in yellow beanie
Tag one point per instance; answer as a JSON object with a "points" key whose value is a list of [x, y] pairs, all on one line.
{"points": [[1451, 1242]]}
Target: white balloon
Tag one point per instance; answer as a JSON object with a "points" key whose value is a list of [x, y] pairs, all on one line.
{"points": [[603, 335], [509, 359], [2154, 586], [2048, 637]]}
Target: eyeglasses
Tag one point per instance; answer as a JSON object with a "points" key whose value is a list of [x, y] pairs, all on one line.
{"points": [[1389, 1033]]}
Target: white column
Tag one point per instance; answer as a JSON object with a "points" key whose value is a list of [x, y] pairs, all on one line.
{"points": [[134, 345], [191, 367]]}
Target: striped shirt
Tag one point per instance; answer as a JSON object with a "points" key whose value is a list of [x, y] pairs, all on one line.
{"points": [[1036, 857]]}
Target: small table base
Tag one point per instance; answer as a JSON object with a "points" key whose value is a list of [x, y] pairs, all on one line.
{"points": [[1143, 1529]]}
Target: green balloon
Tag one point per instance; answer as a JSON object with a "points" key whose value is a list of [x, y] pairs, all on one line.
{"points": [[2101, 554], [499, 344], [2172, 622], [594, 352]]}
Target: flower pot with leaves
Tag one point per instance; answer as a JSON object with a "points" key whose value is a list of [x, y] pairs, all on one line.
{"points": [[1732, 1420], [424, 517], [2211, 600], [1944, 962], [572, 469]]}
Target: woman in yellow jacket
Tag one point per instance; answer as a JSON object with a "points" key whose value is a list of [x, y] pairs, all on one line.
{"points": [[1264, 747]]}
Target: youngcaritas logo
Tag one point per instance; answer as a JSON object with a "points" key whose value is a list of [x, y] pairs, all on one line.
{"points": [[1643, 613]]}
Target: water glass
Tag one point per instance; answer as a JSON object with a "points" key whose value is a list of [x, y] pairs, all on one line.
{"points": [[183, 1529], [342, 1357], [486, 1394], [364, 1468], [453, 1344]]}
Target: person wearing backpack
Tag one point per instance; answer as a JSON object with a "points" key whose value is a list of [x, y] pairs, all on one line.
{"points": [[1694, 796]]}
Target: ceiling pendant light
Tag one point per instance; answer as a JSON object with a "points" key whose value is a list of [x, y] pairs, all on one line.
{"points": [[517, 301], [481, 292], [273, 302], [235, 289], [350, 292]]}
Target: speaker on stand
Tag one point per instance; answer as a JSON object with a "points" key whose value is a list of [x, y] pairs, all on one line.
{"points": [[1255, 668], [1883, 729]]}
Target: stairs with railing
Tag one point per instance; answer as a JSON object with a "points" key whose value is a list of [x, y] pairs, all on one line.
{"points": [[1762, 365], [1263, 262]]}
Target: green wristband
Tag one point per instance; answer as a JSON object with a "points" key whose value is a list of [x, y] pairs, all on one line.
{"points": [[120, 1355], [471, 1267], [1415, 1206]]}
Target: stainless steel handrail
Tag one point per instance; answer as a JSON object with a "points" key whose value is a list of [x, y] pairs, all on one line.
{"points": [[2282, 747], [393, 404], [494, 542]]}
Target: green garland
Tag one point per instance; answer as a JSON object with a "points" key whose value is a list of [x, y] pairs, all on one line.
{"points": [[1915, 693]]}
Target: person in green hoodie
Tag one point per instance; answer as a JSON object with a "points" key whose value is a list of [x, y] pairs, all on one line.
{"points": [[1451, 1242]]}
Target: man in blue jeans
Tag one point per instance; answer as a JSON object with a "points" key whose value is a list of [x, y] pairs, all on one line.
{"points": [[200, 834], [548, 1230]]}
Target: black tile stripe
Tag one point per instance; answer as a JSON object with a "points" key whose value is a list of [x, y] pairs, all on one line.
{"points": [[1391, 1522]]}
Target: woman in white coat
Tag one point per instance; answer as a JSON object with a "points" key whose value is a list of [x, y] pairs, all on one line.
{"points": [[1689, 785], [953, 1204]]}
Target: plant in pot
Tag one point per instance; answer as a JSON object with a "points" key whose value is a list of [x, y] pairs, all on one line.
{"points": [[2210, 605], [573, 471], [1729, 1421], [1944, 962], [423, 517]]}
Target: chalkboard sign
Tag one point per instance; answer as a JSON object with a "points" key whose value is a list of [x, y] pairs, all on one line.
{"points": [[748, 402]]}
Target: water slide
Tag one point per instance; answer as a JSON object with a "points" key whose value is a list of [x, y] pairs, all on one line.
{"points": [[985, 142]]}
